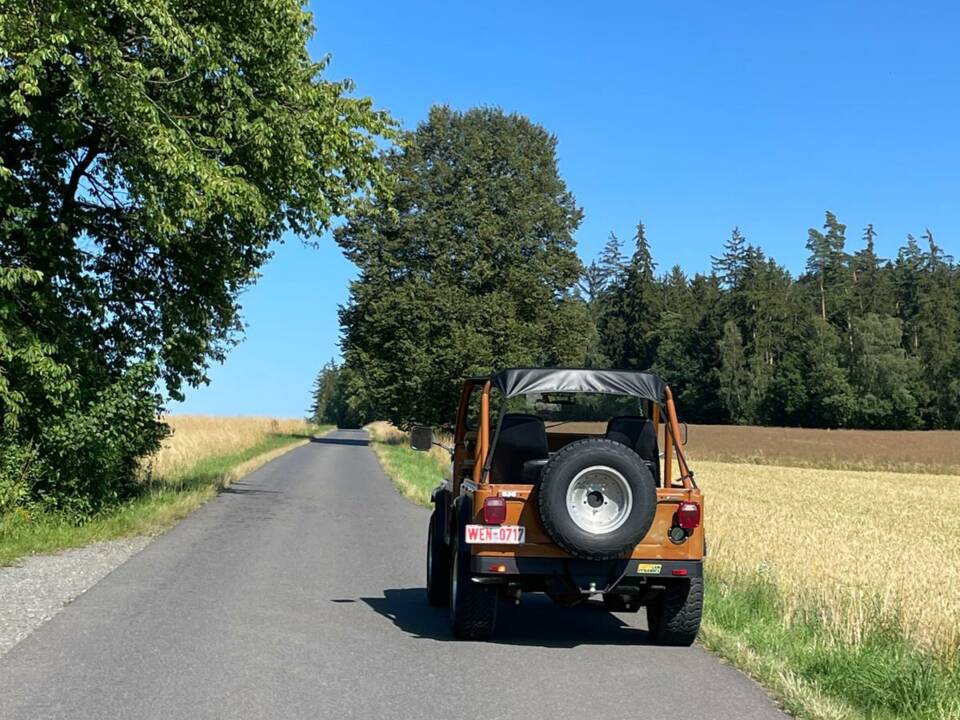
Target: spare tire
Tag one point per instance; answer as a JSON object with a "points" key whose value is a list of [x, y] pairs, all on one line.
{"points": [[597, 499]]}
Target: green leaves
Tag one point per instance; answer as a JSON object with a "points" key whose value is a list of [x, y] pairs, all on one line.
{"points": [[468, 266], [150, 154]]}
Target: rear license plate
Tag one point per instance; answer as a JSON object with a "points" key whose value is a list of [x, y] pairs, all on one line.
{"points": [[495, 534]]}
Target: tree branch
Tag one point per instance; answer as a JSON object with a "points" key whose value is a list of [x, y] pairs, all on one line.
{"points": [[70, 192]]}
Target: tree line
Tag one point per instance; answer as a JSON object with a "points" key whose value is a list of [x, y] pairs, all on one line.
{"points": [[470, 265]]}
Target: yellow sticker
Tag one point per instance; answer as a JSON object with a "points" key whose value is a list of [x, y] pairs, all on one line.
{"points": [[649, 568]]}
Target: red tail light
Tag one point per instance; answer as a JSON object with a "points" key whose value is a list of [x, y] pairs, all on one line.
{"points": [[494, 510], [688, 515]]}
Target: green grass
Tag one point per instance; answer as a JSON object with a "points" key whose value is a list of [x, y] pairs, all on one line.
{"points": [[23, 532], [815, 673], [414, 473]]}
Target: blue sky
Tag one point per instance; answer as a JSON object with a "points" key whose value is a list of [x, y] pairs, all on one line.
{"points": [[692, 116]]}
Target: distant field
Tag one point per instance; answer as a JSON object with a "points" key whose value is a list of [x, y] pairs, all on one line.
{"points": [[925, 451], [929, 451]]}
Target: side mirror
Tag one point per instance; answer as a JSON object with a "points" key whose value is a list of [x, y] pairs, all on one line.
{"points": [[421, 437], [684, 431]]}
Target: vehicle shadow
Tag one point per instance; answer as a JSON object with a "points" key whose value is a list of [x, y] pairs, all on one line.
{"points": [[340, 441], [536, 621]]}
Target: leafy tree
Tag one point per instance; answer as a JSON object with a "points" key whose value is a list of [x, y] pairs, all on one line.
{"points": [[149, 156], [831, 401], [468, 266], [885, 377]]}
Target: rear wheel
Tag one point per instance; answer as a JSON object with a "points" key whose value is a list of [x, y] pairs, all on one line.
{"points": [[473, 607], [674, 617], [438, 566]]}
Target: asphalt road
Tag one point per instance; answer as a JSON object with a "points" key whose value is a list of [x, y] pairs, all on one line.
{"points": [[298, 593]]}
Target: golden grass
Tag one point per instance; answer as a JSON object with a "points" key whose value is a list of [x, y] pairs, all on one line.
{"points": [[857, 545], [196, 438]]}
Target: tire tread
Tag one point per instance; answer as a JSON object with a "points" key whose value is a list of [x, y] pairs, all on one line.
{"points": [[674, 619], [474, 616]]}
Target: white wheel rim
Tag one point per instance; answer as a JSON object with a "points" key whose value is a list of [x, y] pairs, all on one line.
{"points": [[599, 500]]}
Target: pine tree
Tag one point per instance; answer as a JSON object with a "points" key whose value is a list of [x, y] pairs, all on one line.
{"points": [[871, 290], [937, 327], [732, 264], [612, 261], [641, 305], [827, 266], [734, 374]]}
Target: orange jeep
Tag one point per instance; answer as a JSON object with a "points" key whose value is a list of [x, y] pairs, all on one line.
{"points": [[566, 492]]}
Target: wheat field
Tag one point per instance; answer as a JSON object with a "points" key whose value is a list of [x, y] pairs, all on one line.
{"points": [[864, 549], [861, 547], [195, 438]]}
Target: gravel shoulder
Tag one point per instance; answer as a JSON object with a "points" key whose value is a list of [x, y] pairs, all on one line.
{"points": [[39, 587]]}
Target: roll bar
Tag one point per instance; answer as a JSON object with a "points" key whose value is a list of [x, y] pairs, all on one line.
{"points": [[672, 443]]}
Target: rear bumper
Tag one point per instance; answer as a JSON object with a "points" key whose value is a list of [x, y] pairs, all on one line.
{"points": [[505, 567]]}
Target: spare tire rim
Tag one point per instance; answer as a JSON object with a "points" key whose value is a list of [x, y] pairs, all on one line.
{"points": [[599, 500]]}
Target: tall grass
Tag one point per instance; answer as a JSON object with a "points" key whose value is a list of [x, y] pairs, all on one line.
{"points": [[865, 548], [195, 438], [201, 456]]}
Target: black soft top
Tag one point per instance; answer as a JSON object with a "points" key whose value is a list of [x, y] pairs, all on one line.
{"points": [[519, 381]]}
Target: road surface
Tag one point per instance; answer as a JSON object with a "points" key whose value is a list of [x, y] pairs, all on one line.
{"points": [[298, 593]]}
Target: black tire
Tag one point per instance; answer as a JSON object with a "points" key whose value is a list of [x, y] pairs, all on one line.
{"points": [[438, 566], [674, 617], [473, 607], [561, 471], [615, 602]]}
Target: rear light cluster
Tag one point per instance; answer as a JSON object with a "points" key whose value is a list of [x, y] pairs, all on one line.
{"points": [[494, 511], [688, 515]]}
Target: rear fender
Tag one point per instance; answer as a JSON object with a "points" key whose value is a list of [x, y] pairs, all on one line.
{"points": [[460, 515], [439, 498]]}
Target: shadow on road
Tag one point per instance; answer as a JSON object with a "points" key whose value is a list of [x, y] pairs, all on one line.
{"points": [[241, 489], [340, 441], [536, 621]]}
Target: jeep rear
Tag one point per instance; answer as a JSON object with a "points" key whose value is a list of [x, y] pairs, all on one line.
{"points": [[563, 490]]}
